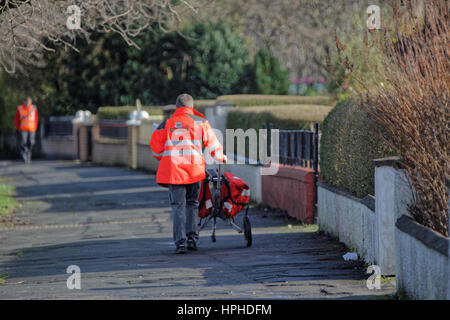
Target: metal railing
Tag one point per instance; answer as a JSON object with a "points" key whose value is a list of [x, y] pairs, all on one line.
{"points": [[58, 126], [301, 148], [297, 147], [115, 129]]}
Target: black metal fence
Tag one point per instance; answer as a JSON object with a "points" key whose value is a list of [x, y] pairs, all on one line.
{"points": [[296, 147], [301, 148], [58, 126], [115, 129]]}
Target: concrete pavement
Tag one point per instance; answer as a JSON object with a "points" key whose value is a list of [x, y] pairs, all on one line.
{"points": [[115, 224]]}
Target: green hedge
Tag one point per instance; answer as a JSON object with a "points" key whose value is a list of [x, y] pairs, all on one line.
{"points": [[238, 119], [123, 113], [282, 117], [347, 147], [247, 100]]}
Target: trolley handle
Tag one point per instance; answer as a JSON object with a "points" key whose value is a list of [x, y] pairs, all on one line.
{"points": [[219, 174], [213, 175]]}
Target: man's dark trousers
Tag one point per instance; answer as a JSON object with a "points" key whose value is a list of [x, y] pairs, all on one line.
{"points": [[184, 201], [26, 143]]}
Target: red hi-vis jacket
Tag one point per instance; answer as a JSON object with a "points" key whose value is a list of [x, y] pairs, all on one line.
{"points": [[26, 118], [178, 142]]}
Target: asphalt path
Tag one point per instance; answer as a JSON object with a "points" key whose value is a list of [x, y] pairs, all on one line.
{"points": [[115, 225]]}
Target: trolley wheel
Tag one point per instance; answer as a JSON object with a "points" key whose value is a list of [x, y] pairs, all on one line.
{"points": [[248, 231], [213, 238]]}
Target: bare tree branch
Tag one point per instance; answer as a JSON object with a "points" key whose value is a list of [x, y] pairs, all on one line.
{"points": [[29, 28], [298, 32]]}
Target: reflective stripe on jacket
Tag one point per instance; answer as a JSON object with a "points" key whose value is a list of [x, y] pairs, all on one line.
{"points": [[26, 118], [178, 142]]}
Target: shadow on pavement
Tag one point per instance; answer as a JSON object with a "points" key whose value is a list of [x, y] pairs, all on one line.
{"points": [[275, 257]]}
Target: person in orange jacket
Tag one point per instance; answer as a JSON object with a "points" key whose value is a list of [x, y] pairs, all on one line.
{"points": [[26, 122], [178, 143]]}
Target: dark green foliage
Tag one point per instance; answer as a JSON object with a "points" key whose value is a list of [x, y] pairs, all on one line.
{"points": [[265, 75], [9, 100], [347, 147], [215, 59], [123, 112], [95, 76], [203, 60], [13, 90]]}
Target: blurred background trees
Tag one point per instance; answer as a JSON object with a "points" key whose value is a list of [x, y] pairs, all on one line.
{"points": [[266, 75], [29, 28], [206, 60], [153, 49], [299, 33]]}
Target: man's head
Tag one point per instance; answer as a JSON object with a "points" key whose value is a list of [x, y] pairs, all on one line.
{"points": [[28, 101], [184, 100]]}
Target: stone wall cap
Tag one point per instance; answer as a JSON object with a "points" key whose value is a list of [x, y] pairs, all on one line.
{"points": [[235, 159], [81, 122], [294, 173], [427, 236], [387, 162], [58, 138], [368, 200], [132, 123], [225, 104], [60, 118], [169, 107]]}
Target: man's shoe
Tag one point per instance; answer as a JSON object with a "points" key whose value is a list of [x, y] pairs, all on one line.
{"points": [[180, 249], [192, 245]]}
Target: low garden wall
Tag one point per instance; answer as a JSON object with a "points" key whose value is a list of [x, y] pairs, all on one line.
{"points": [[275, 191], [251, 174], [422, 261], [349, 218], [291, 189], [217, 115], [110, 152], [57, 139], [58, 147], [382, 233], [145, 159], [367, 224]]}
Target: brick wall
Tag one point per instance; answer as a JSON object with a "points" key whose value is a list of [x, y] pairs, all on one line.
{"points": [[58, 147], [145, 159], [110, 153], [291, 189], [146, 129]]}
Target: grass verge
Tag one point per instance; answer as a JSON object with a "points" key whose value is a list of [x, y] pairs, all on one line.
{"points": [[3, 277], [7, 201]]}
